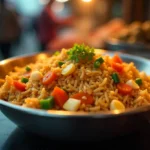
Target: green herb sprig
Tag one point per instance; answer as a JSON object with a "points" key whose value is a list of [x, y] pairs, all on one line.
{"points": [[115, 77], [24, 80], [80, 53], [28, 68], [98, 62], [138, 81]]}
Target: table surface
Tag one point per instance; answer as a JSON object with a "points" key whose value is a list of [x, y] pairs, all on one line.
{"points": [[13, 138]]}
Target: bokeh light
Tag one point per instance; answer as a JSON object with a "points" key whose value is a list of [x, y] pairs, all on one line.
{"points": [[44, 2], [87, 1], [62, 1]]}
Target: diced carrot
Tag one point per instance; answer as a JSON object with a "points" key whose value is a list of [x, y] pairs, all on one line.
{"points": [[117, 66], [60, 96], [19, 86], [117, 63], [117, 59], [49, 78], [84, 97], [124, 89]]}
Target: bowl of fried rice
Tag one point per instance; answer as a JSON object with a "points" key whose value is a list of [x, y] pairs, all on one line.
{"points": [[77, 93]]}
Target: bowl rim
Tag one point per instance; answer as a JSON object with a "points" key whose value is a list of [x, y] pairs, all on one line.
{"points": [[70, 114]]}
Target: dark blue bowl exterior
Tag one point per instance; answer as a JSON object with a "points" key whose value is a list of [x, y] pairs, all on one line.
{"points": [[76, 128]]}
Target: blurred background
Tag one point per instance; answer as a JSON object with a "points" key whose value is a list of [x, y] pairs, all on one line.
{"points": [[30, 26]]}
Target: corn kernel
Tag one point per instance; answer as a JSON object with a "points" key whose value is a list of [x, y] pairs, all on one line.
{"points": [[72, 104], [133, 84], [68, 70], [36, 75], [116, 105]]}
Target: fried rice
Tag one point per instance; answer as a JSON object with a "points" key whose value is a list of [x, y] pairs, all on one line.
{"points": [[96, 82]]}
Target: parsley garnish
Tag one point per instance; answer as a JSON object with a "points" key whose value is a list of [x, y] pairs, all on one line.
{"points": [[80, 53], [28, 68]]}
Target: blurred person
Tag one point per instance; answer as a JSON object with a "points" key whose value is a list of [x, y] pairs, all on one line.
{"points": [[9, 29], [48, 25]]}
